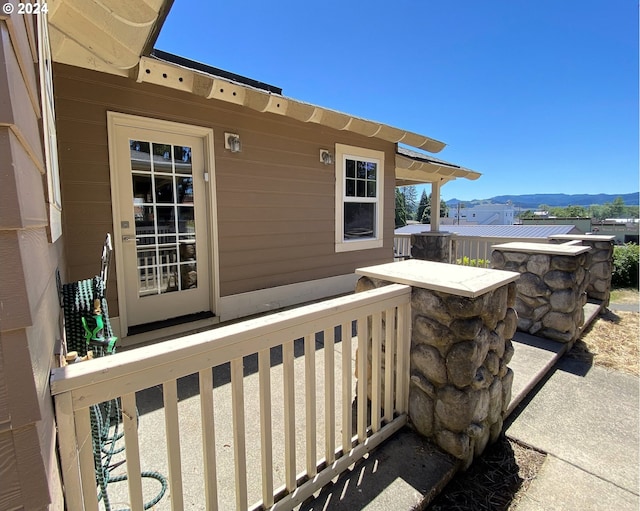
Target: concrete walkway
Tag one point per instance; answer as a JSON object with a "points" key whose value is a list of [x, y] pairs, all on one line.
{"points": [[586, 419]]}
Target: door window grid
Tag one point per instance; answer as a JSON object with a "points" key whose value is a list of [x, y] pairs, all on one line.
{"points": [[164, 216]]}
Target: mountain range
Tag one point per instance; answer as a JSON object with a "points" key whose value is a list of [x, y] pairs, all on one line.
{"points": [[532, 201]]}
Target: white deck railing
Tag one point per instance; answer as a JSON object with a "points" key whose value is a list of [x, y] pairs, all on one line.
{"points": [[474, 250], [401, 247], [192, 436]]}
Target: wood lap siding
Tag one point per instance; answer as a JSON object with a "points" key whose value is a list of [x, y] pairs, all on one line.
{"points": [[275, 199], [30, 315]]}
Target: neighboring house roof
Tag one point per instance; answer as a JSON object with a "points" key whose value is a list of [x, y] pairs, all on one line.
{"points": [[495, 231]]}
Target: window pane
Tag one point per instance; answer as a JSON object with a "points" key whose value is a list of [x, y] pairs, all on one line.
{"points": [[371, 188], [162, 158], [164, 189], [359, 220], [140, 155], [362, 170], [351, 188], [166, 219], [371, 170], [360, 189], [351, 168], [182, 157], [184, 190]]}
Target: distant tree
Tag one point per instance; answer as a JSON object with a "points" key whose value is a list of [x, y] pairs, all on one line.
{"points": [[410, 194], [424, 203], [618, 208], [526, 214], [401, 210], [426, 214]]}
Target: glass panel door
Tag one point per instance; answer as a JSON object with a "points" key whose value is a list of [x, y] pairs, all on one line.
{"points": [[162, 182]]}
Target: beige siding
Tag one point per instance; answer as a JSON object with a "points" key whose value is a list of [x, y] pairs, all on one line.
{"points": [[275, 200], [30, 312]]}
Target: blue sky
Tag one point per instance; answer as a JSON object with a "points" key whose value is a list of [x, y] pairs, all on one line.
{"points": [[539, 96]]}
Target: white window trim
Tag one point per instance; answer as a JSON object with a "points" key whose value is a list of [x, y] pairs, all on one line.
{"points": [[341, 153], [54, 197]]}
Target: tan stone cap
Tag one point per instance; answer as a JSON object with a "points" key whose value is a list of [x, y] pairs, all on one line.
{"points": [[448, 278], [586, 237], [542, 248]]}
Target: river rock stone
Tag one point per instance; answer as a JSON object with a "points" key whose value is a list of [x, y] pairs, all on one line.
{"points": [[421, 411], [538, 264], [428, 361], [466, 328], [531, 285], [462, 363]]}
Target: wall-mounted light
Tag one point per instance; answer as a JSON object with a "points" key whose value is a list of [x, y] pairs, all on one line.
{"points": [[326, 157], [232, 142]]}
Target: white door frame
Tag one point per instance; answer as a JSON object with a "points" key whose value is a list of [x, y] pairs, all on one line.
{"points": [[115, 120]]}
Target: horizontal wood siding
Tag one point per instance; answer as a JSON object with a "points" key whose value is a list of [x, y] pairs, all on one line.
{"points": [[30, 316], [275, 199]]}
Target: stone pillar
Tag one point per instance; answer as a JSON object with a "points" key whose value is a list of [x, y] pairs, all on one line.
{"points": [[462, 324], [551, 291], [433, 246], [599, 263]]}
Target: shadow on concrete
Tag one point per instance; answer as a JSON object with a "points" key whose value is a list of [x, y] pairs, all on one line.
{"points": [[403, 472], [150, 399]]}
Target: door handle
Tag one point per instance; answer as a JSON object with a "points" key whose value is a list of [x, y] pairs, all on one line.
{"points": [[128, 237]]}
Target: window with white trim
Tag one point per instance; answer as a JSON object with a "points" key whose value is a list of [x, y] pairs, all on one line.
{"points": [[359, 198], [49, 129]]}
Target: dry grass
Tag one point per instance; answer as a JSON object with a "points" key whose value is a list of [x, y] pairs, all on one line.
{"points": [[612, 341], [625, 296]]}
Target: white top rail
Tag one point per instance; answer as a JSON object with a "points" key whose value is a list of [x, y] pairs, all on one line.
{"points": [[106, 378]]}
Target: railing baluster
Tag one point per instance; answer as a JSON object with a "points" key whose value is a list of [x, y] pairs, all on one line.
{"points": [[329, 396], [68, 450], [289, 416], [389, 363], [403, 344], [170, 397], [205, 379], [363, 338], [347, 391], [376, 373], [85, 454], [239, 444], [130, 427], [266, 436], [310, 402]]}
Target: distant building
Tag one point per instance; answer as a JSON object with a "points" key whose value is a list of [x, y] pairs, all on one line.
{"points": [[625, 230], [482, 214]]}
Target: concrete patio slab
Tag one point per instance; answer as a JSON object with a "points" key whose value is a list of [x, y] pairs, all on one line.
{"points": [[533, 358], [561, 486], [588, 417]]}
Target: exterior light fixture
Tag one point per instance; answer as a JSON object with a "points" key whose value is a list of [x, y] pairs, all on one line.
{"points": [[326, 157], [232, 142]]}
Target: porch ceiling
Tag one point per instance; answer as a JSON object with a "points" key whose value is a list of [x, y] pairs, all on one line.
{"points": [[414, 168], [104, 35]]}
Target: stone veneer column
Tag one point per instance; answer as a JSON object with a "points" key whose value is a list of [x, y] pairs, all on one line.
{"points": [[462, 324], [433, 246], [551, 291], [599, 263]]}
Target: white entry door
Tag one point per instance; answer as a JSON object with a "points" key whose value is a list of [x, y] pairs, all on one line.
{"points": [[164, 231]]}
